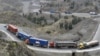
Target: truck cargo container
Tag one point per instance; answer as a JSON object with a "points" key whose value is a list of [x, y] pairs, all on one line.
{"points": [[37, 42], [68, 44], [63, 44], [12, 28], [22, 35]]}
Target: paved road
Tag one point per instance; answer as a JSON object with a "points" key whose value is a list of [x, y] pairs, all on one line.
{"points": [[9, 34]]}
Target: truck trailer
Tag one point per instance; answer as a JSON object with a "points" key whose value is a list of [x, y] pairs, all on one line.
{"points": [[12, 28], [63, 44], [37, 42], [22, 35]]}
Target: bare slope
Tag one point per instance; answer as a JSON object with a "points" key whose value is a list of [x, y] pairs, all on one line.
{"points": [[14, 18], [10, 5], [73, 5], [10, 48], [60, 30]]}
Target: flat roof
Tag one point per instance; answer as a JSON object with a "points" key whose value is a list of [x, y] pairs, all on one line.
{"points": [[13, 26], [24, 33], [65, 42], [38, 38]]}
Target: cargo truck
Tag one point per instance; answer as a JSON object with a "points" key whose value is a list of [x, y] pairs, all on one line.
{"points": [[63, 44], [22, 35], [37, 42], [84, 45], [12, 28]]}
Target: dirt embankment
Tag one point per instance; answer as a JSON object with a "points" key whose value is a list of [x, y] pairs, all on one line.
{"points": [[66, 29], [11, 5], [72, 5], [11, 17], [11, 48]]}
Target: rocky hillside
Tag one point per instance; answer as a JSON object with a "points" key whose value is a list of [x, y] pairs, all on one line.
{"points": [[73, 5], [64, 28], [10, 17], [10, 48], [10, 5]]}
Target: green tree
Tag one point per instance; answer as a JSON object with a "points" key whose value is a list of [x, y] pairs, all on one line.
{"points": [[40, 11], [68, 0], [70, 26], [74, 21], [51, 16], [65, 17], [59, 15], [66, 26], [61, 25], [37, 13], [79, 19], [29, 16], [96, 8], [72, 5], [64, 0]]}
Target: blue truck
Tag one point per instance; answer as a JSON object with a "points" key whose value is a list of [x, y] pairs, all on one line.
{"points": [[22, 35], [37, 42]]}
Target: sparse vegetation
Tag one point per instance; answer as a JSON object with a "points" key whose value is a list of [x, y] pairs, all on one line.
{"points": [[70, 26], [11, 48], [73, 5], [55, 26], [65, 17]]}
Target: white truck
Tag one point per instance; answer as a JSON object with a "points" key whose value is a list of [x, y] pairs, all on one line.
{"points": [[93, 13]]}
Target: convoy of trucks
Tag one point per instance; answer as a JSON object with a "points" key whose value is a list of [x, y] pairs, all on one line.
{"points": [[30, 40]]}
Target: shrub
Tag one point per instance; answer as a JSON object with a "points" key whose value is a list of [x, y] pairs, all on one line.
{"points": [[70, 26]]}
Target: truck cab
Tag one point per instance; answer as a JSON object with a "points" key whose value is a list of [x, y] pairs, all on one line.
{"points": [[81, 45]]}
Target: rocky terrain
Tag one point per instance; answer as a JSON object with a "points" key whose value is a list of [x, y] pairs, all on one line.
{"points": [[10, 5], [10, 17], [11, 48], [53, 27], [72, 5]]}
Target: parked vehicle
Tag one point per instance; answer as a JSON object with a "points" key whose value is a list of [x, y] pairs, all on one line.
{"points": [[22, 35], [37, 42], [53, 11], [12, 28], [93, 13], [62, 44], [68, 12], [85, 45]]}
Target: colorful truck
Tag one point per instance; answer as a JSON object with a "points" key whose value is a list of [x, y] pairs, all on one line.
{"points": [[12, 28], [37, 42], [63, 44], [22, 35], [84, 45]]}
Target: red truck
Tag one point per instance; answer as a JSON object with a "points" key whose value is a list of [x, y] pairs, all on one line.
{"points": [[12, 28]]}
